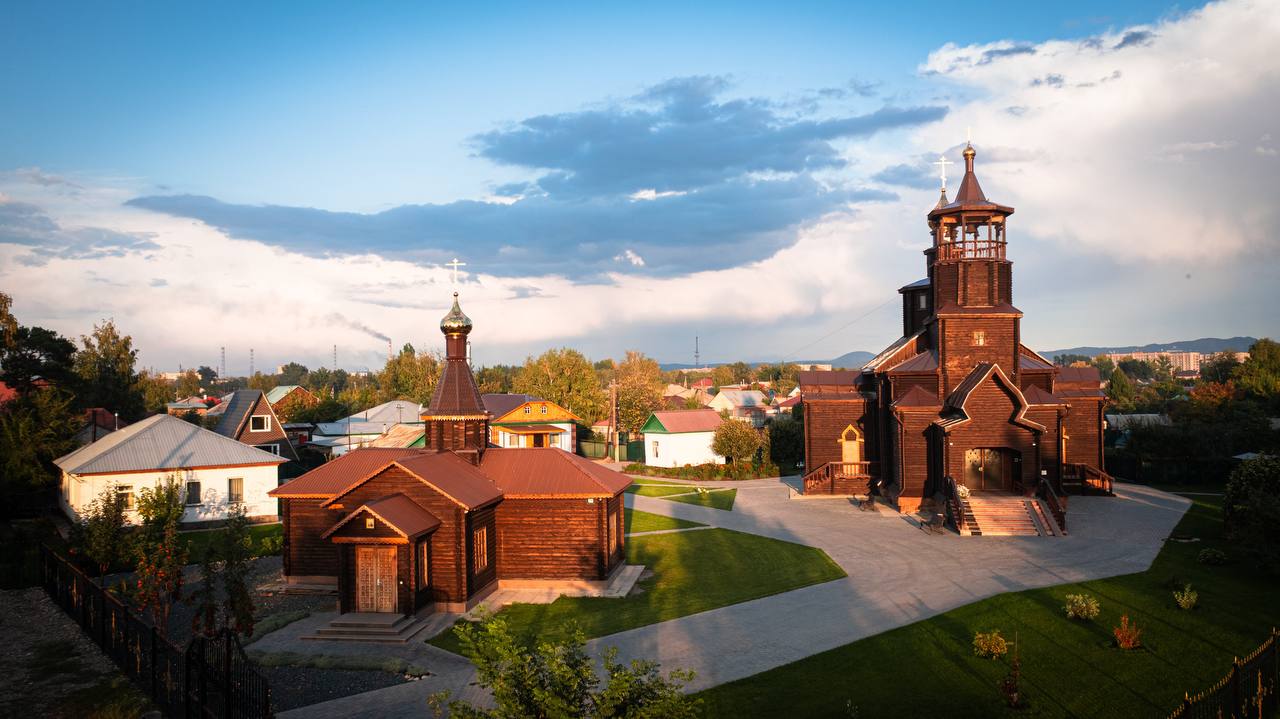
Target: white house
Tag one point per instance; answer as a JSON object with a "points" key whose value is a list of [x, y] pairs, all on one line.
{"points": [[674, 438], [218, 474], [745, 405]]}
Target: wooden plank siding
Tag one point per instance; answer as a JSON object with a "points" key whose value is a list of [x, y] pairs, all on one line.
{"points": [[479, 578], [990, 408], [1084, 432]]}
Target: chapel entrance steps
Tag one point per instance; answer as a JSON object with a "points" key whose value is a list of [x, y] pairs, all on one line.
{"points": [[1005, 515], [372, 627]]}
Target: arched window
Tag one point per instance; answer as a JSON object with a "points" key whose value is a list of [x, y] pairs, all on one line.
{"points": [[851, 445]]}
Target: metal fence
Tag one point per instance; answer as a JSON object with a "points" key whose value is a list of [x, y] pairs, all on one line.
{"points": [[212, 678], [1248, 690]]}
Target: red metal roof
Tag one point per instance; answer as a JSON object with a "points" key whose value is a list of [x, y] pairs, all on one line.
{"points": [[454, 476], [333, 477], [918, 397], [399, 512], [923, 362], [1080, 377], [689, 420], [550, 471], [1035, 395]]}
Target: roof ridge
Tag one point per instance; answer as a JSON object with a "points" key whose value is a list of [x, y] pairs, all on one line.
{"points": [[121, 436]]}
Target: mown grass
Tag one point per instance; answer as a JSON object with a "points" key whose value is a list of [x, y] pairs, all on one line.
{"points": [[692, 572], [1069, 668], [199, 541], [637, 521], [688, 494], [646, 489]]}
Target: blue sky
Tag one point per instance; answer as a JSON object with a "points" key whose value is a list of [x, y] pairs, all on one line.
{"points": [[617, 158]]}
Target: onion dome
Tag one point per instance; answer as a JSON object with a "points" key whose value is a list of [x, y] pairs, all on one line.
{"points": [[455, 322]]}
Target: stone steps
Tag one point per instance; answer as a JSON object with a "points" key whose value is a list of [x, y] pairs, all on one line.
{"points": [[370, 627], [1002, 516]]}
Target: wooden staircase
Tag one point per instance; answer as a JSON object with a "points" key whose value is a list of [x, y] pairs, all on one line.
{"points": [[372, 628], [1003, 515], [1085, 479]]}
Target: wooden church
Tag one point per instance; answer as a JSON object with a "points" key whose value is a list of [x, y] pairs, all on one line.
{"points": [[407, 530], [958, 400]]}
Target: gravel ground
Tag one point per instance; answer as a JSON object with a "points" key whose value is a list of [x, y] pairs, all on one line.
{"points": [[49, 668], [293, 687]]}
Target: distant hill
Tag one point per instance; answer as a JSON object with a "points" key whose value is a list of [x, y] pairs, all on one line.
{"points": [[849, 360], [1204, 345], [852, 360]]}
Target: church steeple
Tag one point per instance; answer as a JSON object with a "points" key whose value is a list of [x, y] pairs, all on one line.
{"points": [[456, 418]]}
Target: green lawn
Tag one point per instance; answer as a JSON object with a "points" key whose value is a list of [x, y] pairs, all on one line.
{"points": [[199, 540], [637, 521], [692, 572], [716, 498], [1068, 668]]}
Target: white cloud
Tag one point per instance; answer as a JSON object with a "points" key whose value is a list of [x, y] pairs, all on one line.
{"points": [[631, 257], [1101, 227], [652, 194]]}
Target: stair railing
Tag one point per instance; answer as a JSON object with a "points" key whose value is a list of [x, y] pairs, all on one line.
{"points": [[954, 506], [1057, 503]]}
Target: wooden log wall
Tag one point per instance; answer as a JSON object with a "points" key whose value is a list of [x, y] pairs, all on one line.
{"points": [[1084, 432], [478, 578], [571, 550], [990, 409]]}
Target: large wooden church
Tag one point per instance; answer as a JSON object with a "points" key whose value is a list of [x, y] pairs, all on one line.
{"points": [[406, 530], [958, 400]]}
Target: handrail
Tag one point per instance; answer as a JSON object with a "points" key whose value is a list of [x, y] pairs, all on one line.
{"points": [[1057, 503], [1091, 478], [953, 502], [827, 474]]}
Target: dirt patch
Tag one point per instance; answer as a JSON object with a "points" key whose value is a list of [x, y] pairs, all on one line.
{"points": [[51, 669]]}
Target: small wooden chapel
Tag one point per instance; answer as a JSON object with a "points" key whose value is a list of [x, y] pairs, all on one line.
{"points": [[408, 530], [958, 400]]}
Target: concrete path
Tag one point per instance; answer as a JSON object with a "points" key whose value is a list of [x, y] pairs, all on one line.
{"points": [[897, 575]]}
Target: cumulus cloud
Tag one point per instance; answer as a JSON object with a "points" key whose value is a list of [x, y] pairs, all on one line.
{"points": [[630, 257], [44, 239]]}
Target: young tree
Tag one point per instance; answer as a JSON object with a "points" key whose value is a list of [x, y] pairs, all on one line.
{"points": [[8, 324], [1138, 369], [102, 529], [565, 377], [736, 440], [786, 441], [557, 679], [639, 390], [1259, 376], [1104, 364], [105, 367], [223, 598], [161, 552], [1251, 510]]}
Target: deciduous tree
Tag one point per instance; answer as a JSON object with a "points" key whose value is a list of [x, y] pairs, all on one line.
{"points": [[409, 375], [37, 356], [566, 377], [35, 429], [1259, 376], [102, 529], [1120, 390], [105, 365], [639, 390], [161, 552], [736, 440]]}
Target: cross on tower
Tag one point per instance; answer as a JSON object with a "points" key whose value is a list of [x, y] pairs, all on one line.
{"points": [[942, 163], [455, 265]]}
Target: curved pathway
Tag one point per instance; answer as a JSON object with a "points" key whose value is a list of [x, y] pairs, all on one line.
{"points": [[897, 575]]}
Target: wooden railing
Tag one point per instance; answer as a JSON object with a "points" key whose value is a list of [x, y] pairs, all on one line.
{"points": [[954, 504], [1092, 480], [971, 249], [824, 477], [1057, 503]]}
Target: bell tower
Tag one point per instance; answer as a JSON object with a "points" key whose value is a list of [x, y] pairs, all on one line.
{"points": [[456, 419], [972, 282]]}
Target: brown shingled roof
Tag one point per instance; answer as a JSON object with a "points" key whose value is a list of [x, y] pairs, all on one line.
{"points": [[1035, 395], [456, 394], [548, 471], [923, 362], [405, 516]]}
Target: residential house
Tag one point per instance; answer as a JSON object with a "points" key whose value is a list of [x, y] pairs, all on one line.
{"points": [[744, 405], [98, 423], [338, 438], [187, 404], [674, 438], [522, 420], [247, 417], [288, 399], [219, 475]]}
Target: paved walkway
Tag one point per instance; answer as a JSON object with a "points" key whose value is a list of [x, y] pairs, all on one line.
{"points": [[897, 575]]}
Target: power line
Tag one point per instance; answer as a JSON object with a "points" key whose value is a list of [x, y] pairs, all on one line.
{"points": [[842, 327]]}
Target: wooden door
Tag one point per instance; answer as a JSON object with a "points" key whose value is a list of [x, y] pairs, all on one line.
{"points": [[375, 579], [539, 440], [987, 469]]}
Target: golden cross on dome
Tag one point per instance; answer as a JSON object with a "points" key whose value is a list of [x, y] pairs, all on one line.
{"points": [[942, 163], [455, 265]]}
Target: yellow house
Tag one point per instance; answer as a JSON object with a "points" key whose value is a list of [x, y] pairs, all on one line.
{"points": [[521, 420]]}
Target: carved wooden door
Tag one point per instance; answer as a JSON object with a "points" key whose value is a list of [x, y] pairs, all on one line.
{"points": [[375, 579]]}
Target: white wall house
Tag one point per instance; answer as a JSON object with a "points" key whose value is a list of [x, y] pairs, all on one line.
{"points": [[674, 438], [218, 475], [744, 405]]}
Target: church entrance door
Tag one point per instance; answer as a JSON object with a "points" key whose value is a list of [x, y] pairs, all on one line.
{"points": [[989, 469], [375, 579]]}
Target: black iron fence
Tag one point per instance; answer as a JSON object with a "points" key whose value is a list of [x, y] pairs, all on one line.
{"points": [[212, 678], [1248, 690]]}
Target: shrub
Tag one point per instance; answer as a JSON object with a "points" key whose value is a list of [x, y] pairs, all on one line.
{"points": [[1128, 636], [990, 645], [1186, 598], [270, 546], [635, 468], [1081, 606], [1212, 557], [1251, 510]]}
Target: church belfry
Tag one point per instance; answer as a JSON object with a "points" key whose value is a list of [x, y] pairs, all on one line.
{"points": [[456, 418], [972, 282]]}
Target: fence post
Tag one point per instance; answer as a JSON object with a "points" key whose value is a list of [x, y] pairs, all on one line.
{"points": [[1235, 686], [153, 661], [226, 673]]}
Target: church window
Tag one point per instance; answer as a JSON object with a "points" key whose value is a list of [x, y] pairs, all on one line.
{"points": [[979, 338], [481, 549]]}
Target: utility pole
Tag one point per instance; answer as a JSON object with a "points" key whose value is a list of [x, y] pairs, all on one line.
{"points": [[222, 368], [613, 410], [250, 363]]}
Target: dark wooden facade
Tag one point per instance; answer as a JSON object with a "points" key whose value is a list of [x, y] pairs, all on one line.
{"points": [[958, 395], [453, 527]]}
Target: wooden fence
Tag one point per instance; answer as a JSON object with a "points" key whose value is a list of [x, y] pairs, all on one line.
{"points": [[210, 678], [1248, 690]]}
